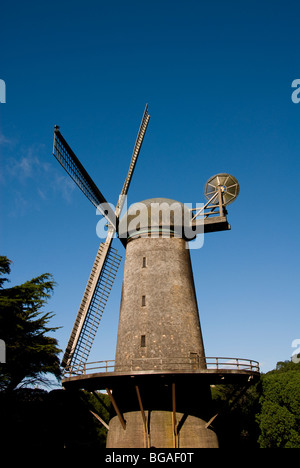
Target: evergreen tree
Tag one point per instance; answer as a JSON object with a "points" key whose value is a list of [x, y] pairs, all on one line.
{"points": [[30, 352]]}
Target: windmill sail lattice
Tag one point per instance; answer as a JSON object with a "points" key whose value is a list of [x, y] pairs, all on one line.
{"points": [[69, 161], [96, 296], [107, 260], [134, 157]]}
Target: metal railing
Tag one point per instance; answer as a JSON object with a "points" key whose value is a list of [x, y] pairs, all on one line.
{"points": [[165, 364], [89, 368], [220, 363]]}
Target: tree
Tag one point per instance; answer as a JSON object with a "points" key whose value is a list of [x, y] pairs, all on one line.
{"points": [[30, 352], [236, 407], [279, 418]]}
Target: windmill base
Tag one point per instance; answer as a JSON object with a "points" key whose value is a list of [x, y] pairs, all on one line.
{"points": [[163, 409], [158, 432]]}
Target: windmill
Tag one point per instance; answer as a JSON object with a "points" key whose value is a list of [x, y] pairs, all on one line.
{"points": [[159, 341]]}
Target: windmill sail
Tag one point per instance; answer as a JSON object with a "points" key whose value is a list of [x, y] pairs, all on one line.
{"points": [[136, 151], [92, 306], [69, 161], [107, 260]]}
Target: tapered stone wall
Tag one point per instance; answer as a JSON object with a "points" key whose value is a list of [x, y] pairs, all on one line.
{"points": [[159, 322], [193, 432]]}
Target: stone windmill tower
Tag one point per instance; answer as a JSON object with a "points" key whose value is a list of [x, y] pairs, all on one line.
{"points": [[160, 381]]}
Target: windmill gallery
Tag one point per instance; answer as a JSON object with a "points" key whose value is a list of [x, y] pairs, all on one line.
{"points": [[159, 383]]}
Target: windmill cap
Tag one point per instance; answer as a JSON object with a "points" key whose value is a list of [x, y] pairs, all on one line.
{"points": [[157, 217]]}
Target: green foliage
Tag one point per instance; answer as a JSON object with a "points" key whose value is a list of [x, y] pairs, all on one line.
{"points": [[279, 419], [30, 352], [4, 269], [236, 407], [100, 405], [284, 366], [266, 415]]}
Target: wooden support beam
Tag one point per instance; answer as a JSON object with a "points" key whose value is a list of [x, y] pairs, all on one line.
{"points": [[211, 420], [141, 405], [113, 401], [174, 416], [147, 435], [100, 419]]}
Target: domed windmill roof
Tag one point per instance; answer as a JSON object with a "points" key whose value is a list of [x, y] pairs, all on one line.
{"points": [[156, 217]]}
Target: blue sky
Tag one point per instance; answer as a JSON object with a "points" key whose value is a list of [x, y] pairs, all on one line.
{"points": [[217, 77]]}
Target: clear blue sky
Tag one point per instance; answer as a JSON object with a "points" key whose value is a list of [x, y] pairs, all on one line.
{"points": [[217, 77]]}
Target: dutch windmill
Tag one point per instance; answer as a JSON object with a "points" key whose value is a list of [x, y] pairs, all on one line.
{"points": [[107, 260], [160, 357]]}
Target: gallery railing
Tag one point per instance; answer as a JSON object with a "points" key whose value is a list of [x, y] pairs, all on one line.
{"points": [[165, 364]]}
